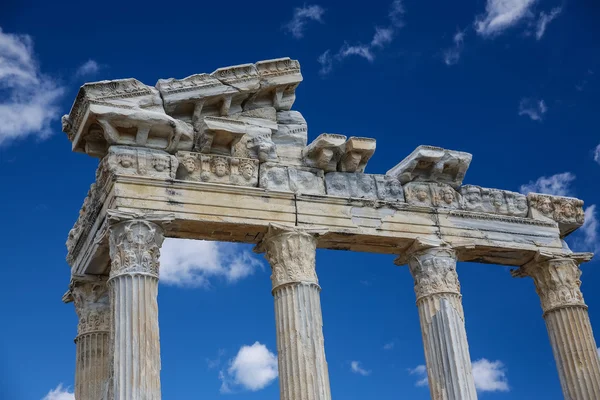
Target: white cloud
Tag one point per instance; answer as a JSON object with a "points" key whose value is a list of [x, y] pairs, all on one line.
{"points": [[534, 109], [589, 230], [421, 372], [382, 37], [389, 346], [358, 50], [490, 376], [303, 15], [501, 15], [193, 263], [358, 369], [90, 67], [597, 154], [452, 54], [60, 393], [253, 368], [557, 185], [29, 98], [544, 20]]}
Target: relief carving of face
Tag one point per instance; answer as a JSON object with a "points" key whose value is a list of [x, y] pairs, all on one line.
{"points": [[545, 205], [448, 195], [521, 203], [160, 163], [220, 166], [247, 170], [474, 197], [421, 193], [189, 163], [568, 210], [497, 199], [394, 187], [126, 160]]}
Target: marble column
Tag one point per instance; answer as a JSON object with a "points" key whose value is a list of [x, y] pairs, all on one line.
{"points": [[558, 285], [303, 373], [134, 251], [92, 365], [442, 323]]}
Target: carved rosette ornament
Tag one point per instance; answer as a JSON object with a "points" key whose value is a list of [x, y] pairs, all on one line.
{"points": [[556, 282], [291, 254], [434, 271], [135, 248]]}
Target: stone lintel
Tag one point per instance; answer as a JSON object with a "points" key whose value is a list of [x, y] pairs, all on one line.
{"points": [[566, 211], [433, 164]]}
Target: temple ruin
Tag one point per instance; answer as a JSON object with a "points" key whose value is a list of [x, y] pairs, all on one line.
{"points": [[222, 156]]}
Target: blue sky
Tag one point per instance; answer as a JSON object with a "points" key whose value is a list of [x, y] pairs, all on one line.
{"points": [[513, 82]]}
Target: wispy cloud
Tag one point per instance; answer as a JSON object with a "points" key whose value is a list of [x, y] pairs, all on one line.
{"points": [[490, 376], [534, 109], [389, 346], [60, 393], [302, 16], [90, 67], [597, 154], [192, 263], [420, 371], [358, 369], [29, 98], [589, 230], [253, 368], [383, 36], [452, 54], [501, 15], [556, 185], [544, 20]]}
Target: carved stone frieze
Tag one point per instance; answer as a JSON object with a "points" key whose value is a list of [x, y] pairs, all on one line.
{"points": [[433, 164], [434, 271], [301, 180], [123, 112], [324, 152], [556, 281], [567, 211], [357, 152], [476, 198], [124, 160], [366, 186], [135, 247], [430, 194], [217, 169], [291, 253]]}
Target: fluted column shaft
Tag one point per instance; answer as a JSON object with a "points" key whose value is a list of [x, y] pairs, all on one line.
{"points": [[303, 373], [558, 285], [92, 364], [135, 250], [442, 324]]}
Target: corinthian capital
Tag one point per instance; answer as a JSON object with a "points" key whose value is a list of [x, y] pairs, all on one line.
{"points": [[90, 296], [291, 253], [135, 247], [556, 282]]}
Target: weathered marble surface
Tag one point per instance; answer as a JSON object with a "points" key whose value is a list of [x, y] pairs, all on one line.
{"points": [[324, 152], [285, 178], [290, 137], [126, 160], [218, 135], [476, 198], [123, 112], [357, 153], [217, 169], [366, 186], [566, 211], [433, 164], [430, 194]]}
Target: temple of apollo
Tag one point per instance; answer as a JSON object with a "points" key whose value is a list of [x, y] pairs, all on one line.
{"points": [[223, 156]]}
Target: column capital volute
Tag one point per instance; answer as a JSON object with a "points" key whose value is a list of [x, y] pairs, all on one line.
{"points": [[557, 279], [291, 252], [115, 217]]}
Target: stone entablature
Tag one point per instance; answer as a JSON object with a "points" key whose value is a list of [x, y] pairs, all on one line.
{"points": [[217, 169], [567, 211]]}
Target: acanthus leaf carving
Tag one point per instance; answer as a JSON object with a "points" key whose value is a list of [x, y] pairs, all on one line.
{"points": [[92, 305], [434, 271]]}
